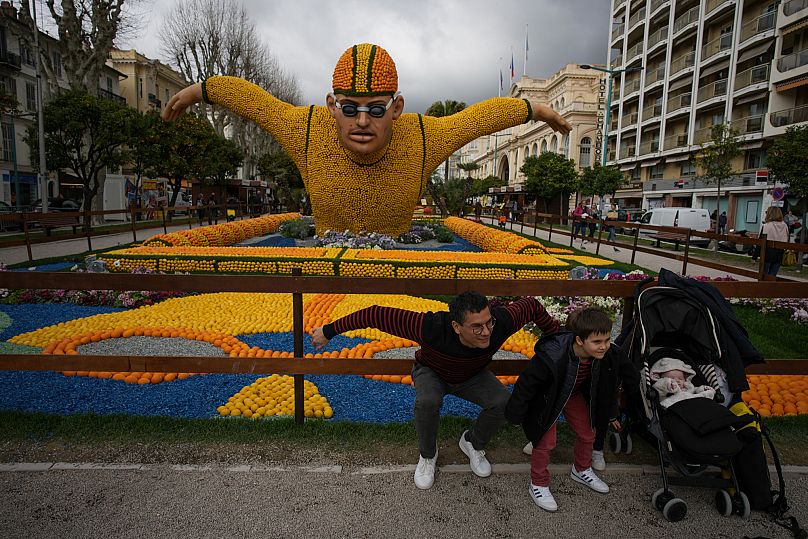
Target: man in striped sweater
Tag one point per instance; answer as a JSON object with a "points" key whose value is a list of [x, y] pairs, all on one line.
{"points": [[456, 348]]}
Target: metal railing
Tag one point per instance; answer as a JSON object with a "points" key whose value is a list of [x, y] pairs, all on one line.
{"points": [[702, 135], [714, 89], [637, 17], [678, 140], [106, 94], [782, 118], [10, 59], [753, 75], [629, 119], [793, 6], [680, 101], [649, 146], [793, 61], [652, 111], [628, 150], [632, 86], [683, 62], [617, 30], [658, 36], [618, 61], [656, 75], [656, 3], [748, 124], [758, 25], [619, 3], [612, 155], [691, 16], [635, 51], [722, 43], [712, 4]]}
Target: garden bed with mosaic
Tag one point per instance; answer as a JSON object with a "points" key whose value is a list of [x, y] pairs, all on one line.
{"points": [[260, 325]]}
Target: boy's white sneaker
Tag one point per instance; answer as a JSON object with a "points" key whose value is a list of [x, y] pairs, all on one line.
{"points": [[425, 472], [598, 462], [479, 464], [587, 477], [528, 449], [543, 498]]}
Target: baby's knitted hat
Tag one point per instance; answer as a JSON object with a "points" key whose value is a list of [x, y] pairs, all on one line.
{"points": [[671, 364]]}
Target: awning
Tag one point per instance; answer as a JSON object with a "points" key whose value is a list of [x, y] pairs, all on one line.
{"points": [[714, 68], [755, 51], [647, 164], [681, 83], [795, 26], [675, 158], [790, 85], [754, 96], [627, 193], [626, 168]]}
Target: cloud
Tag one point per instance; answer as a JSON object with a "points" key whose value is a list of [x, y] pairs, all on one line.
{"points": [[450, 49]]}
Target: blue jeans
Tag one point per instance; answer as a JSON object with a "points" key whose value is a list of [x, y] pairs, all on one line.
{"points": [[482, 389]]}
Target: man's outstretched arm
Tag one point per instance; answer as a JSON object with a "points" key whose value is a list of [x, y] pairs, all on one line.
{"points": [[400, 322]]}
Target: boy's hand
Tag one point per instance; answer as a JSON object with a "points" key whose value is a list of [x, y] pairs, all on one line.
{"points": [[318, 338], [616, 425]]}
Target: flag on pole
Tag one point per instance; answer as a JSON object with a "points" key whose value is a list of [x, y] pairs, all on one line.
{"points": [[500, 83], [524, 72], [513, 73]]}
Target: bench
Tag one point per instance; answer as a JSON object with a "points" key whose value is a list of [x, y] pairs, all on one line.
{"points": [[49, 221], [671, 237]]}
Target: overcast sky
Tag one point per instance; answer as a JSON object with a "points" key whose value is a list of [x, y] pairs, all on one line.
{"points": [[443, 49]]}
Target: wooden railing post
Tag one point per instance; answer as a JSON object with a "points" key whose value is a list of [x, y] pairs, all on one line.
{"points": [[88, 226], [634, 246], [762, 240], [687, 251], [297, 318], [550, 236], [27, 236], [163, 212], [600, 233], [134, 225]]}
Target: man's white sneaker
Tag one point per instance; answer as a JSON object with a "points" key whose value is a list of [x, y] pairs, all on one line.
{"points": [[425, 472], [528, 449], [598, 462], [479, 464], [587, 477], [543, 498]]}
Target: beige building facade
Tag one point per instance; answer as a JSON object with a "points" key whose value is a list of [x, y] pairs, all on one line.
{"points": [[149, 84]]}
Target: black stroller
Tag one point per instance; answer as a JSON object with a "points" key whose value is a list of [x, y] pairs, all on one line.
{"points": [[694, 433]]}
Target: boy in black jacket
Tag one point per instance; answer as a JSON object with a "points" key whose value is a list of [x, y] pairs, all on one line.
{"points": [[575, 372]]}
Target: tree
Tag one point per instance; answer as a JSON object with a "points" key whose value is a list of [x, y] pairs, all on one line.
{"points": [[549, 174], [87, 30], [480, 186], [600, 180], [282, 170], [86, 134], [440, 109], [144, 145], [788, 162], [715, 160], [450, 196]]}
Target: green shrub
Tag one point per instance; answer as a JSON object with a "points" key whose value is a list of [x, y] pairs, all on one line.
{"points": [[443, 234], [298, 228]]}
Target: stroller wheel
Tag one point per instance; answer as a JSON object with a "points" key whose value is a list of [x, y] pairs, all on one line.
{"points": [[615, 442], [660, 498], [742, 506], [723, 502], [675, 510]]}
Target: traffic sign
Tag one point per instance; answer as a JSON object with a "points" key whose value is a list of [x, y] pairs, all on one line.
{"points": [[778, 193]]}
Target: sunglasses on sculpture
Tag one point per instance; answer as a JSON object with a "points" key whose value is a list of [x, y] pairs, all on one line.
{"points": [[376, 110]]}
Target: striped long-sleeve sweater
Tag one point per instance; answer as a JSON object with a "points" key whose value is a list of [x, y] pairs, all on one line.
{"points": [[441, 349]]}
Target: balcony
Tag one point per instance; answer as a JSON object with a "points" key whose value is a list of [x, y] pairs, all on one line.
{"points": [[632, 86], [651, 112], [656, 3], [628, 151], [619, 3], [792, 61], [637, 17], [758, 26], [715, 46], [689, 17], [703, 135], [680, 101], [655, 76], [793, 6], [155, 102], [783, 118], [612, 155], [683, 62], [754, 75], [106, 94], [618, 30], [613, 125], [657, 37], [634, 51], [748, 125], [714, 89], [9, 59], [711, 5], [629, 119], [618, 61], [649, 146], [678, 140]]}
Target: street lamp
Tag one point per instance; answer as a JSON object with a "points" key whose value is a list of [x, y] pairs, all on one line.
{"points": [[611, 73]]}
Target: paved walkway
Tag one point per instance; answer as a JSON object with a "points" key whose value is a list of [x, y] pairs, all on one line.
{"points": [[328, 500]]}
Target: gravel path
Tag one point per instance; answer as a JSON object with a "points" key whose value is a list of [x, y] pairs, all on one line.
{"points": [[151, 346]]}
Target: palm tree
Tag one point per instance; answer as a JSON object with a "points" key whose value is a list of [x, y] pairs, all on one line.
{"points": [[439, 109]]}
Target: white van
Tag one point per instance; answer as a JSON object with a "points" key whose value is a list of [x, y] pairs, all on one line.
{"points": [[693, 218]]}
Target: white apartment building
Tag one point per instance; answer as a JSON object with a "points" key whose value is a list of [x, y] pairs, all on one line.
{"points": [[704, 62]]}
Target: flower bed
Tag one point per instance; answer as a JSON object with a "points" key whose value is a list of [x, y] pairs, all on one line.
{"points": [[223, 234]]}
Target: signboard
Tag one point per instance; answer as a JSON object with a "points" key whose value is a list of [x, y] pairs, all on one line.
{"points": [[778, 193], [778, 203], [601, 120], [762, 177]]}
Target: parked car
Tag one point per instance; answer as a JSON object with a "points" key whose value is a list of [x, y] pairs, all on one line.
{"points": [[697, 219], [628, 215], [66, 204]]}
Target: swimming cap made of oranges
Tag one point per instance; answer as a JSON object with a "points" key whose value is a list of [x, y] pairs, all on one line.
{"points": [[365, 69]]}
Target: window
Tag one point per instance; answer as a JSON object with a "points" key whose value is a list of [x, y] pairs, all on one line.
{"points": [[755, 159], [30, 96], [140, 88], [562, 102], [7, 132], [752, 211], [56, 59], [543, 146], [687, 169], [109, 84], [26, 54], [585, 155], [535, 149], [8, 85], [166, 95], [554, 145], [656, 172], [635, 174]]}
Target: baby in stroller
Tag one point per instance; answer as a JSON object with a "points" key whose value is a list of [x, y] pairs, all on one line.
{"points": [[672, 378]]}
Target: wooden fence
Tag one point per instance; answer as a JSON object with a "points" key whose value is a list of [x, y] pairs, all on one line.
{"points": [[297, 286]]}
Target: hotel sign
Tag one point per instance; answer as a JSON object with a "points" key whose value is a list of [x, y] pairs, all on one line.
{"points": [[601, 120]]}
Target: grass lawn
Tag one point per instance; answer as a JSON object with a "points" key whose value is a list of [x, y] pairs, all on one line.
{"points": [[774, 335]]}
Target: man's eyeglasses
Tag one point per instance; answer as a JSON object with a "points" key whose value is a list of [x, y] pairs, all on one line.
{"points": [[477, 329], [376, 110]]}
